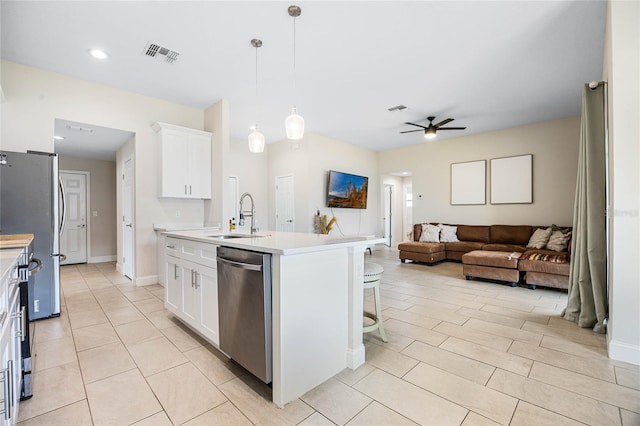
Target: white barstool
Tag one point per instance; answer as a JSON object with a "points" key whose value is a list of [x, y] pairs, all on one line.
{"points": [[372, 274]]}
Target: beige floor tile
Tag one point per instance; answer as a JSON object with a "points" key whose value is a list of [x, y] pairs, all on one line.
{"points": [[434, 304], [214, 365], [560, 401], [629, 418], [390, 294], [504, 331], [388, 360], [153, 356], [414, 332], [94, 336], [484, 401], [488, 355], [183, 340], [396, 342], [184, 392], [124, 315], [224, 414], [438, 314], [572, 334], [53, 388], [316, 419], [137, 331], [411, 318], [474, 419], [531, 415], [104, 361], [590, 367], [515, 305], [158, 419], [336, 401], [52, 328], [253, 399], [87, 318], [462, 366], [409, 400], [351, 377], [597, 389], [516, 314], [137, 294], [475, 336], [573, 348], [76, 414], [377, 414], [121, 399], [162, 319], [491, 317], [149, 305], [628, 377], [52, 353]]}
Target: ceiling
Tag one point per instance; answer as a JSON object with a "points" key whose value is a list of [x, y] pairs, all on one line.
{"points": [[88, 141], [488, 64]]}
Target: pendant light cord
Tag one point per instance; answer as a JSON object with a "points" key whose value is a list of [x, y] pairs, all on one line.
{"points": [[294, 61]]}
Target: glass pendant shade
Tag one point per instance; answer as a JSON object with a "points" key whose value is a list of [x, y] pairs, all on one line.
{"points": [[294, 124], [256, 141]]}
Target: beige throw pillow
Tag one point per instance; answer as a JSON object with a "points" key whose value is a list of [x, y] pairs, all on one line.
{"points": [[448, 234], [558, 241], [430, 233], [539, 238]]}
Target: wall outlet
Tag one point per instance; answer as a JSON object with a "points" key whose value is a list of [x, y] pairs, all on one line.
{"points": [[36, 305], [95, 213]]}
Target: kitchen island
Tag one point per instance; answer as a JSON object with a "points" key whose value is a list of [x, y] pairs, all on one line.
{"points": [[317, 300]]}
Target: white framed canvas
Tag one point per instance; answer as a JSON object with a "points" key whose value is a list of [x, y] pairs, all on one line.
{"points": [[468, 183], [512, 180]]}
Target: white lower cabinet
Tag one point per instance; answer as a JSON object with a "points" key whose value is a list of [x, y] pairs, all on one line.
{"points": [[191, 291], [10, 351]]}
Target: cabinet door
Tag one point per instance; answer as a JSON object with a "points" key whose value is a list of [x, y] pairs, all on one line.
{"points": [[190, 294], [208, 286], [173, 285], [174, 164], [199, 166]]}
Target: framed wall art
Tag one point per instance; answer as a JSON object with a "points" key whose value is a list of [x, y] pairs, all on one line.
{"points": [[512, 180], [468, 183]]}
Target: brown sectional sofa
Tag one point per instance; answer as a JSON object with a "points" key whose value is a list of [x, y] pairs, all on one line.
{"points": [[501, 238]]}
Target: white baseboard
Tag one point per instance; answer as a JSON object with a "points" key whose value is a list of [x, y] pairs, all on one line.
{"points": [[148, 280], [102, 259], [621, 351]]}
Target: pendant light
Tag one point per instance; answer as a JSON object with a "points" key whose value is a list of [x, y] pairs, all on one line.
{"points": [[294, 124], [256, 139]]}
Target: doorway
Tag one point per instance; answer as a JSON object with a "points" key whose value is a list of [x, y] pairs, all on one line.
{"points": [[127, 219], [74, 202], [388, 214], [284, 204]]}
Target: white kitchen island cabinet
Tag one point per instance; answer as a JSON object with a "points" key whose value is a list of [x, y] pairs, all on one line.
{"points": [[316, 301], [186, 162]]}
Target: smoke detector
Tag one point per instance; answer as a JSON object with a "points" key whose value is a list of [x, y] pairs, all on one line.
{"points": [[159, 53]]}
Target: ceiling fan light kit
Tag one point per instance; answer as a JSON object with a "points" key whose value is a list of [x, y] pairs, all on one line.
{"points": [[294, 123], [256, 139], [431, 130]]}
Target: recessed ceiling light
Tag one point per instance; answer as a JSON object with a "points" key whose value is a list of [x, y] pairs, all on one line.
{"points": [[58, 138], [98, 54]]}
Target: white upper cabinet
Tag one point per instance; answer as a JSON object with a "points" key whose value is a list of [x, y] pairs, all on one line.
{"points": [[186, 161]]}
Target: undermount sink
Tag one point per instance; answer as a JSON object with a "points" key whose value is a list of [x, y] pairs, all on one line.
{"points": [[232, 236]]}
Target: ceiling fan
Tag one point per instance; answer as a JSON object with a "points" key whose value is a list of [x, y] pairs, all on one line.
{"points": [[430, 131]]}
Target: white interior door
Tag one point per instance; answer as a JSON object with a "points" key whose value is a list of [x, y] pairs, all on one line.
{"points": [[388, 206], [127, 219], [73, 240], [284, 203]]}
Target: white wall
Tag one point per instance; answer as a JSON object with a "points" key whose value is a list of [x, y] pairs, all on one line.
{"points": [[35, 98], [397, 201], [309, 161], [554, 145], [622, 71]]}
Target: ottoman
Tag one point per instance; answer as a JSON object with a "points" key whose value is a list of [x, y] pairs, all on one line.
{"points": [[492, 265], [421, 252]]}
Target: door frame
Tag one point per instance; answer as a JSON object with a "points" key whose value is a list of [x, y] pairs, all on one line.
{"points": [[133, 217], [389, 238], [87, 198], [293, 207]]}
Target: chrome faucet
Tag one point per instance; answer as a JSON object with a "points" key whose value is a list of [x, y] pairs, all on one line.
{"points": [[250, 213]]}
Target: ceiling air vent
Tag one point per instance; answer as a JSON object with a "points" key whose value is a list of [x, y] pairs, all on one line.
{"points": [[160, 53]]}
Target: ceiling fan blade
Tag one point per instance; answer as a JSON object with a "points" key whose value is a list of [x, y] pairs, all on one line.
{"points": [[414, 124], [451, 128], [443, 122], [411, 131]]}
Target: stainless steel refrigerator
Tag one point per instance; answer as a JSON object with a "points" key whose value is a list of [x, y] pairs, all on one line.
{"points": [[29, 186]]}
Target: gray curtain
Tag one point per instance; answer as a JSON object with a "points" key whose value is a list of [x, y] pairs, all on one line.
{"points": [[587, 301]]}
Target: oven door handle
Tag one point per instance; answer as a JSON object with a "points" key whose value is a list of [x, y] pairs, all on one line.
{"points": [[37, 267]]}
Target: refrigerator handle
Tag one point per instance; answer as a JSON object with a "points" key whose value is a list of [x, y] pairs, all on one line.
{"points": [[62, 195]]}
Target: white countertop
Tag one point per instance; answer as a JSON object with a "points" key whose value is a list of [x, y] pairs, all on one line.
{"points": [[165, 227], [285, 243]]}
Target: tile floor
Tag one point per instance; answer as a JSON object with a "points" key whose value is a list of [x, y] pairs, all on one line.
{"points": [[459, 352]]}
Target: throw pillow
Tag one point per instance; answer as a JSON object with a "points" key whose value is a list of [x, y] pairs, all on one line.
{"points": [[430, 233], [448, 234], [558, 241], [539, 238]]}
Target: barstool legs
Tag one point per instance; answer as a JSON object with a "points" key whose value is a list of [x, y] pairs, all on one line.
{"points": [[377, 316]]}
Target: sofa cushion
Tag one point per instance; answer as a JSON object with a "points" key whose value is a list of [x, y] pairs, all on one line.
{"points": [[527, 265], [474, 233], [448, 233], [504, 247], [558, 241], [463, 246], [511, 234], [497, 259], [429, 234], [553, 258], [539, 238], [418, 247]]}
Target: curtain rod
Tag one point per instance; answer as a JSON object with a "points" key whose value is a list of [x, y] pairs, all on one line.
{"points": [[593, 84]]}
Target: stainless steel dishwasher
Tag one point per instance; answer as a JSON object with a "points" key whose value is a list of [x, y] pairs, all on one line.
{"points": [[244, 300]]}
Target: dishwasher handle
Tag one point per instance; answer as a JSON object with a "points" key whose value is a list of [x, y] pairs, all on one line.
{"points": [[247, 266]]}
